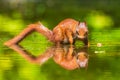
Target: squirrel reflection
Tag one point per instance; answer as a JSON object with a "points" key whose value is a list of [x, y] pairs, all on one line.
{"points": [[66, 56], [70, 58]]}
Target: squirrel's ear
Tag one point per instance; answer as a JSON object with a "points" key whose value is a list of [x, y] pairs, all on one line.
{"points": [[78, 23], [85, 22]]}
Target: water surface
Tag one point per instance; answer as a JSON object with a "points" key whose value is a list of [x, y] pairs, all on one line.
{"points": [[103, 62]]}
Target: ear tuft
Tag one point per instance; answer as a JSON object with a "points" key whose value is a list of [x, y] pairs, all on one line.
{"points": [[82, 25]]}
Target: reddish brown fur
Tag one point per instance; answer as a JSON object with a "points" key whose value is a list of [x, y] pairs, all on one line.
{"points": [[69, 28], [67, 31]]}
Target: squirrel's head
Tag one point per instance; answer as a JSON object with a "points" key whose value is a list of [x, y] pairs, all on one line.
{"points": [[82, 30]]}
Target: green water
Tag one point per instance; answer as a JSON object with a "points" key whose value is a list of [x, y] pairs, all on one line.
{"points": [[103, 62]]}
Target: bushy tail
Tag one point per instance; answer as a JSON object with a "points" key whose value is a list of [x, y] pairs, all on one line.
{"points": [[45, 31], [32, 27]]}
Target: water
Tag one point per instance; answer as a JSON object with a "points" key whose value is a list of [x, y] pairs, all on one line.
{"points": [[102, 64]]}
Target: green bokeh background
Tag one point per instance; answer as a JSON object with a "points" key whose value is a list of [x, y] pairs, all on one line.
{"points": [[102, 18]]}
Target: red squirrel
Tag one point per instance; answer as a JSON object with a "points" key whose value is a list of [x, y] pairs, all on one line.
{"points": [[67, 31]]}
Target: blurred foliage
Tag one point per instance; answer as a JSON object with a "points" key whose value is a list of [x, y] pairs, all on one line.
{"points": [[99, 20], [102, 17], [10, 25], [53, 11]]}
